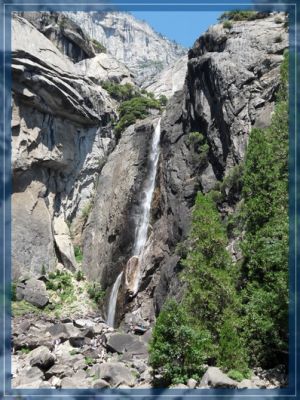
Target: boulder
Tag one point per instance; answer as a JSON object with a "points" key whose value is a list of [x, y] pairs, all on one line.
{"points": [[59, 370], [120, 342], [30, 377], [192, 383], [35, 292], [41, 357], [115, 374], [64, 243], [215, 378], [100, 384]]}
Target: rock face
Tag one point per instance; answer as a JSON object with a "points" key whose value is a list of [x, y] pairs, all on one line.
{"points": [[230, 87], [109, 234], [170, 80], [104, 67], [60, 137], [131, 42]]}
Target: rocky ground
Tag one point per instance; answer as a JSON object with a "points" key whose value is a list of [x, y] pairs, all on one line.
{"points": [[86, 353]]}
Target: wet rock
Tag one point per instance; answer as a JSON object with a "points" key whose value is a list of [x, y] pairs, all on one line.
{"points": [[41, 357]]}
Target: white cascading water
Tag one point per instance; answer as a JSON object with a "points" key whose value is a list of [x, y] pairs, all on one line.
{"points": [[113, 301], [142, 228]]}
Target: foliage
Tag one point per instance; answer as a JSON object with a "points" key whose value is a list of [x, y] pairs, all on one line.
{"points": [[177, 349], [265, 246], [61, 282], [227, 25], [25, 350], [98, 47], [240, 15], [232, 350], [95, 292], [120, 92], [207, 266], [79, 276], [237, 375], [163, 100], [134, 109], [22, 307], [78, 254], [89, 361]]}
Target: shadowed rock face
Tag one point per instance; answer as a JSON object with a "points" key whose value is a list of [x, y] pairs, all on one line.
{"points": [[60, 134], [67, 36]]}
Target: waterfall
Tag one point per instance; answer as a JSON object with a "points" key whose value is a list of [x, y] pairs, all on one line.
{"points": [[113, 301], [142, 228], [143, 223]]}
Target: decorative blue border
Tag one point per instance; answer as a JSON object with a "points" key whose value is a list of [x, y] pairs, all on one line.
{"points": [[7, 6]]}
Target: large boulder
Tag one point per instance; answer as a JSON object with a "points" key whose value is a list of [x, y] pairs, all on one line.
{"points": [[35, 292], [116, 374], [119, 342], [215, 378], [41, 357]]}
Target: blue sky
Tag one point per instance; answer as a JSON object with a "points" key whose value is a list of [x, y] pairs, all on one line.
{"points": [[182, 26]]}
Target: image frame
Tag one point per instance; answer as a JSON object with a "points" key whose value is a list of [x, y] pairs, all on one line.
{"points": [[7, 7]]}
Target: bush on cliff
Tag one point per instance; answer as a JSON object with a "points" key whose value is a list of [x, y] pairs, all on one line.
{"points": [[132, 110]]}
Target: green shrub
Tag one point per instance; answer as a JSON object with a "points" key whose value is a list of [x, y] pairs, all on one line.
{"points": [[134, 109], [237, 375], [89, 361], [78, 254], [79, 276], [61, 282], [241, 15], [25, 350], [163, 100], [120, 92], [95, 292], [177, 349], [227, 25]]}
